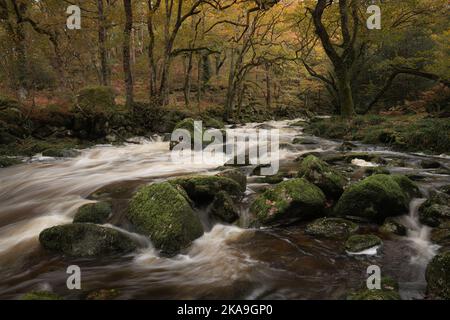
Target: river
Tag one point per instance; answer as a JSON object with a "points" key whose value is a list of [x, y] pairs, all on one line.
{"points": [[227, 262]]}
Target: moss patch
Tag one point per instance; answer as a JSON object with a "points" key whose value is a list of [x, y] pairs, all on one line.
{"points": [[292, 199], [333, 228], [162, 212], [358, 243], [438, 276], [93, 213]]}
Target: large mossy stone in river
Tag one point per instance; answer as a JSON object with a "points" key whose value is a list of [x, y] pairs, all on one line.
{"points": [[236, 175], [388, 291], [162, 212], [390, 226], [223, 208], [435, 210], [358, 243], [322, 175], [85, 240], [375, 198], [41, 295], [202, 189], [438, 276], [295, 199], [332, 228], [93, 213]]}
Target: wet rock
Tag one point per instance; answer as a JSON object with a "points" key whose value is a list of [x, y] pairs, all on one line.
{"points": [[295, 199], [358, 243], [61, 153], [438, 276], [348, 157], [430, 164], [305, 141], [388, 291], [189, 125], [322, 175], [332, 228], [85, 240], [41, 295], [93, 213], [8, 162], [162, 212], [103, 294], [392, 226], [202, 189], [236, 175], [441, 235], [275, 179], [435, 210], [346, 146], [370, 171], [376, 198], [223, 208]]}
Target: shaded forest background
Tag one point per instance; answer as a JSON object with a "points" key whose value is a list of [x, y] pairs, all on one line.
{"points": [[240, 58]]}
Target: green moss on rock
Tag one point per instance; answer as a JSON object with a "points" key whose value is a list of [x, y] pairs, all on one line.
{"points": [[85, 240], [438, 276], [161, 212], [41, 295], [236, 175], [435, 210], [295, 199], [374, 294], [394, 227], [8, 162], [333, 228], [103, 294], [202, 189], [93, 212], [223, 208], [358, 243], [374, 198], [322, 175]]}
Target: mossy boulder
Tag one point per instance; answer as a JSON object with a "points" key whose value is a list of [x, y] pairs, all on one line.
{"points": [[202, 189], [322, 175], [392, 226], [93, 213], [295, 199], [388, 291], [223, 208], [41, 295], [209, 122], [236, 175], [375, 198], [95, 100], [441, 235], [162, 212], [370, 171], [191, 127], [85, 240], [438, 276], [358, 243], [103, 294], [435, 210], [8, 162], [332, 228]]}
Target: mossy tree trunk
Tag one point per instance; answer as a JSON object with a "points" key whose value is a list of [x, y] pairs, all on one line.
{"points": [[126, 52]]}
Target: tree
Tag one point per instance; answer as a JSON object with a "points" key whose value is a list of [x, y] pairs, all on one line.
{"points": [[126, 53]]}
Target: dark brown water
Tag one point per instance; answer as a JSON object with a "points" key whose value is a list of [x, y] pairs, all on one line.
{"points": [[228, 262]]}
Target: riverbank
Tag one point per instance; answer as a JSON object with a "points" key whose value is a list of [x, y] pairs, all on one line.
{"points": [[414, 133]]}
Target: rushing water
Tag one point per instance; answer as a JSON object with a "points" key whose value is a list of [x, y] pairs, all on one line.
{"points": [[226, 262]]}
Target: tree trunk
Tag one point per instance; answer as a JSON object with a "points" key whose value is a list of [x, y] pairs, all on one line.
{"points": [[102, 36], [151, 48], [187, 79], [126, 52], [268, 85], [345, 93]]}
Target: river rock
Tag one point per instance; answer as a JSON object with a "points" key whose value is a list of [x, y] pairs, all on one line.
{"points": [[295, 199], [430, 164], [438, 276], [358, 243], [376, 198], [93, 212], [236, 175], [441, 235], [202, 189], [41, 295], [7, 162], [392, 226], [85, 240], [435, 210], [162, 212], [388, 291], [332, 228], [223, 208], [322, 175]]}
